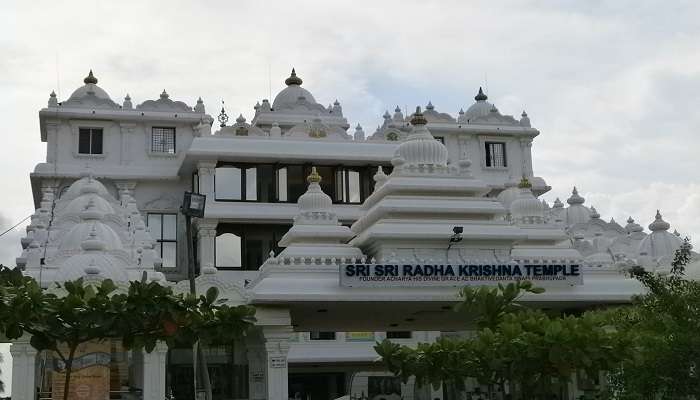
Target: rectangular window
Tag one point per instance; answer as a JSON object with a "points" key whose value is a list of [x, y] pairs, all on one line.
{"points": [[282, 184], [90, 141], [495, 154], [246, 247], [347, 186], [321, 335], [163, 140], [398, 334], [233, 183], [163, 229], [440, 139]]}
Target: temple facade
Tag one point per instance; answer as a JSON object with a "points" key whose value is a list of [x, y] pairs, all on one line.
{"points": [[338, 237]]}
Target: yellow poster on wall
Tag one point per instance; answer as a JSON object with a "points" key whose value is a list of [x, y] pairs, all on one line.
{"points": [[359, 336], [90, 374]]}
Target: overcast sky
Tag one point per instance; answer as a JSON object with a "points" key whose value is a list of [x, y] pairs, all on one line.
{"points": [[613, 86]]}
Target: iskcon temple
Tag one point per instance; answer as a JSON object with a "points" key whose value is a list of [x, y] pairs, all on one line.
{"points": [[339, 237]]}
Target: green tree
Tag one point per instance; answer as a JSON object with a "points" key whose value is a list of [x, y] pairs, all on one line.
{"points": [[147, 313], [667, 321], [524, 351]]}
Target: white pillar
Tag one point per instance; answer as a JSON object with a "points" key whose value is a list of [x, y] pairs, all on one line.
{"points": [[276, 349], [23, 369], [206, 236], [206, 171], [267, 363], [154, 366]]}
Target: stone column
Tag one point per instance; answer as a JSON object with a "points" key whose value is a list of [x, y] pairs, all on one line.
{"points": [[276, 350], [206, 171], [52, 128], [206, 236], [154, 366], [126, 190], [23, 369], [127, 130], [526, 156]]}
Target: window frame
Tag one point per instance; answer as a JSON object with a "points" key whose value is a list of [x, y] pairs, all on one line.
{"points": [[91, 131], [251, 231], [160, 240], [152, 136], [485, 143]]}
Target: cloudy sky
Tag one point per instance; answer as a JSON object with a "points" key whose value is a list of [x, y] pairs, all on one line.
{"points": [[613, 86]]}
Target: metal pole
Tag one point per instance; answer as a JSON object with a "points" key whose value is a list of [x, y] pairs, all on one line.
{"points": [[190, 276]]}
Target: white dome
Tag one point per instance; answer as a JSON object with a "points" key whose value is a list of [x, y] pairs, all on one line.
{"points": [[295, 97], [85, 185], [98, 265], [481, 108], [526, 209], [577, 213], [90, 95], [660, 243], [91, 228], [420, 148], [80, 203], [508, 195]]}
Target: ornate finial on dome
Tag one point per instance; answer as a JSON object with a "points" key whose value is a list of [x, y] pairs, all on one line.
{"points": [[558, 203], [659, 224], [397, 109], [92, 242], [418, 118], [53, 101], [430, 106], [164, 95], [199, 107], [630, 220], [223, 117], [314, 177], [293, 79], [359, 133], [461, 111], [127, 105], [524, 120], [379, 178], [90, 79], [594, 213], [575, 198], [240, 119], [256, 107], [386, 115], [480, 96], [524, 183]]}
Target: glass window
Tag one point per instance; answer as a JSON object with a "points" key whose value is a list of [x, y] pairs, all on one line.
{"points": [[495, 154], [251, 183], [163, 140], [90, 141], [266, 183], [296, 182], [348, 186], [228, 251], [227, 183], [321, 335], [398, 335], [282, 184], [163, 229]]}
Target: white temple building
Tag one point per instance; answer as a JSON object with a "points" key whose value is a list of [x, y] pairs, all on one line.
{"points": [[294, 203]]}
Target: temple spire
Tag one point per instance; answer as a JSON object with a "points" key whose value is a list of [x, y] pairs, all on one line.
{"points": [[90, 79], [480, 96], [293, 79]]}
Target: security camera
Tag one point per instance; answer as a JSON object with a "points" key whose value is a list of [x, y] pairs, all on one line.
{"points": [[457, 236]]}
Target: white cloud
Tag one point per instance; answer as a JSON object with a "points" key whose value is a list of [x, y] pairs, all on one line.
{"points": [[613, 90]]}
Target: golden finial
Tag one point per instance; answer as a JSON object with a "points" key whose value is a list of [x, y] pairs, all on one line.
{"points": [[314, 177], [524, 183]]}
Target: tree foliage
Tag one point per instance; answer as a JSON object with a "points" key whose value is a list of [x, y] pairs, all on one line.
{"points": [[666, 320], [524, 351], [140, 317]]}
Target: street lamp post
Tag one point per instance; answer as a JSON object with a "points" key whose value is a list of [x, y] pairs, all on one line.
{"points": [[193, 206]]}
